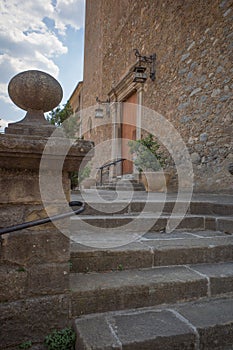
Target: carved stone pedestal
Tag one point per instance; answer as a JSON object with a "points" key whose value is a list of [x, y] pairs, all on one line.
{"points": [[35, 161]]}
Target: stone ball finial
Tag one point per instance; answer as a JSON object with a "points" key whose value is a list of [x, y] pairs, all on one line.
{"points": [[36, 92]]}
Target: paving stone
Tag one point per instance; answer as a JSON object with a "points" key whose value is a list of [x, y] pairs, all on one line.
{"points": [[165, 236], [192, 222], [155, 249], [211, 208], [101, 208], [211, 223], [213, 321], [95, 333], [98, 292], [134, 330], [134, 255], [192, 250], [204, 325], [145, 222], [207, 233], [220, 276], [153, 207], [225, 225], [153, 330]]}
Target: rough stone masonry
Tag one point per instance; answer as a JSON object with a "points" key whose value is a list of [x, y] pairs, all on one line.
{"points": [[193, 41]]}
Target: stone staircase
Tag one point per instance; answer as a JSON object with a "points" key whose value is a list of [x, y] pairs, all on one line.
{"points": [[122, 185], [160, 290]]}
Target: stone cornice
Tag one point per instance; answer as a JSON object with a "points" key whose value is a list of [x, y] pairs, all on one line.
{"points": [[124, 87]]}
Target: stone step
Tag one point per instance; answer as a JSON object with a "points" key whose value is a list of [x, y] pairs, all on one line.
{"points": [[165, 206], [200, 325], [122, 185], [144, 222], [154, 249], [120, 290]]}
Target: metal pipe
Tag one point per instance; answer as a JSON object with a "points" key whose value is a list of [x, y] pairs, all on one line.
{"points": [[45, 220]]}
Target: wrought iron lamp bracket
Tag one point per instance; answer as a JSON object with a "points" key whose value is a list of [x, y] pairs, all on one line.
{"points": [[151, 59]]}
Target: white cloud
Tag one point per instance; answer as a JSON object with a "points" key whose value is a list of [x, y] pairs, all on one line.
{"points": [[4, 123], [30, 35], [69, 13], [3, 93]]}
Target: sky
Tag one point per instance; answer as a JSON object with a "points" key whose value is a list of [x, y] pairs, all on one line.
{"points": [[46, 35]]}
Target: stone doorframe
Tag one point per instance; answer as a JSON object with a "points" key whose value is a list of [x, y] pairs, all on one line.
{"points": [[119, 93]]}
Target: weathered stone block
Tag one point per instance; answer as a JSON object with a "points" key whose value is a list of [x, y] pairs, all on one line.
{"points": [[13, 281], [100, 337], [32, 319], [132, 289], [134, 330], [225, 225], [19, 186], [153, 330], [213, 321], [220, 276], [19, 282], [210, 223], [134, 255], [191, 222], [26, 248]]}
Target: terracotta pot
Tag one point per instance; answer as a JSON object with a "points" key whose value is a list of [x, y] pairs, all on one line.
{"points": [[156, 181]]}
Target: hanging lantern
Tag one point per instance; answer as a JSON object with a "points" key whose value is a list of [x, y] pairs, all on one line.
{"points": [[139, 74], [99, 112]]}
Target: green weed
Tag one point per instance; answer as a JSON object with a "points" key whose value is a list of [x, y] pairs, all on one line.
{"points": [[61, 340], [25, 345]]}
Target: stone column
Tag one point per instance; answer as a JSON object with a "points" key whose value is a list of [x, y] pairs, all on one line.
{"points": [[34, 263]]}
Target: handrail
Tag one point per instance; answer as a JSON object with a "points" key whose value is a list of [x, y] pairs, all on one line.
{"points": [[45, 220], [114, 162], [111, 163]]}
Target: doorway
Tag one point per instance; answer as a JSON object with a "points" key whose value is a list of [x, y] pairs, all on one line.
{"points": [[128, 131]]}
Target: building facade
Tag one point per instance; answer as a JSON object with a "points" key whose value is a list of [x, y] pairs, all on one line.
{"points": [[192, 90], [76, 103]]}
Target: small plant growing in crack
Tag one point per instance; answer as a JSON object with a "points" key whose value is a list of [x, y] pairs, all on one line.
{"points": [[21, 269], [61, 340], [25, 345], [70, 264], [120, 267]]}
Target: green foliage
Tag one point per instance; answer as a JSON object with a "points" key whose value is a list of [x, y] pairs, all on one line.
{"points": [[25, 345], [21, 269], [76, 177], [63, 116], [61, 340], [70, 264], [147, 156], [84, 173], [120, 267], [58, 115]]}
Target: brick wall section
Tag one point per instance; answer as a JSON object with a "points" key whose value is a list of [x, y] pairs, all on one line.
{"points": [[193, 41]]}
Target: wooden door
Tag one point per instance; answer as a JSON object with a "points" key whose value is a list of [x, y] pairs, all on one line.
{"points": [[128, 131]]}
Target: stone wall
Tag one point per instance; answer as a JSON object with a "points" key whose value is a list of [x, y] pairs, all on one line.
{"points": [[193, 41]]}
